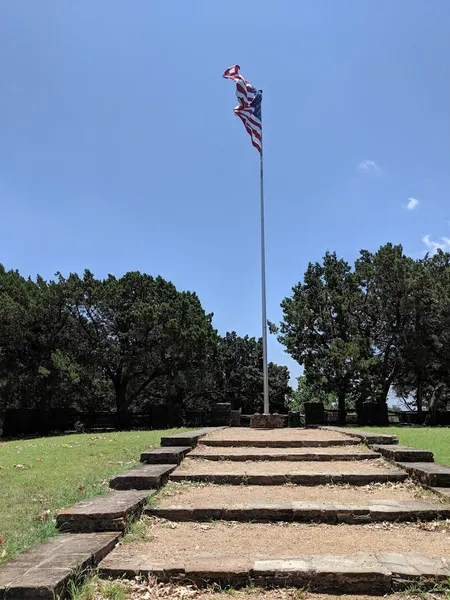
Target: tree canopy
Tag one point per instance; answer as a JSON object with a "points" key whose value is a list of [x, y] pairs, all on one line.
{"points": [[122, 344], [379, 326]]}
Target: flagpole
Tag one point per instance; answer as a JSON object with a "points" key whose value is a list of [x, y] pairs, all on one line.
{"points": [[263, 287]]}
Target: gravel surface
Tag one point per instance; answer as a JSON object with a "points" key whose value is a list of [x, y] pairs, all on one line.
{"points": [[201, 450], [198, 466], [187, 495], [172, 542], [245, 433]]}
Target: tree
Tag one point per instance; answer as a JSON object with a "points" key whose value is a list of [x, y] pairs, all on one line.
{"points": [[384, 278], [136, 329], [241, 379], [319, 328], [36, 365], [306, 392], [424, 340]]}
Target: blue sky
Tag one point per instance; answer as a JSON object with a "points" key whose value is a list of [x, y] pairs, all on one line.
{"points": [[119, 149]]}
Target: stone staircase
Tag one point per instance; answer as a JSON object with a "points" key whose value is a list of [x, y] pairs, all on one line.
{"points": [[308, 507], [327, 509]]}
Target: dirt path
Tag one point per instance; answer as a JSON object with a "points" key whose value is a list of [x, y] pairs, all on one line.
{"points": [[170, 542], [188, 495], [245, 433], [191, 466]]}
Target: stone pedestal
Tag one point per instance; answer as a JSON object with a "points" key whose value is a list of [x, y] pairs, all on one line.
{"points": [[267, 421], [314, 413]]}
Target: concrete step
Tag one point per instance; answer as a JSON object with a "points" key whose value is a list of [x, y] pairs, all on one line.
{"points": [[111, 512], [172, 455], [363, 573], [403, 453], [367, 437], [279, 443], [278, 454], [431, 474], [143, 477], [318, 512], [189, 438], [43, 571]]}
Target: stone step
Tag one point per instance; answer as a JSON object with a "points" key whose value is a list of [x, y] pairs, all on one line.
{"points": [[278, 472], [172, 455], [189, 438], [443, 492], [277, 454], [143, 477], [363, 573], [431, 474], [111, 512], [293, 478], [367, 437], [403, 453], [43, 571], [279, 443], [318, 512]]}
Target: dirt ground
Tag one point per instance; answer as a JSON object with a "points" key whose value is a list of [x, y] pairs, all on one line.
{"points": [[188, 495], [171, 542], [245, 433], [202, 450], [208, 467]]}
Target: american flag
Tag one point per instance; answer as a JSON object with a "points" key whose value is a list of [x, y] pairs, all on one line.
{"points": [[249, 108]]}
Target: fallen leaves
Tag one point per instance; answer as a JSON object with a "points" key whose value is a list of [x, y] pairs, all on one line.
{"points": [[44, 516], [140, 589]]}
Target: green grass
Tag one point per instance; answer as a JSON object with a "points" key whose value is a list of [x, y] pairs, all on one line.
{"points": [[436, 439], [94, 589], [41, 476]]}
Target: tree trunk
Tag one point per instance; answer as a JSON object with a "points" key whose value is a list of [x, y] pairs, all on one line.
{"points": [[419, 398], [43, 404], [434, 404], [382, 408], [342, 411], [123, 418]]}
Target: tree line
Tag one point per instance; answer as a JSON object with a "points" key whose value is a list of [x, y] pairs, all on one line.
{"points": [[379, 326], [122, 344]]}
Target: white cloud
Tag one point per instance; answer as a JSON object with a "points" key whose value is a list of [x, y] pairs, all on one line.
{"points": [[433, 246], [368, 166], [412, 203]]}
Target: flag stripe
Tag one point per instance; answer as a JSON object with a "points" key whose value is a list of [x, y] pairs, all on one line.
{"points": [[249, 108]]}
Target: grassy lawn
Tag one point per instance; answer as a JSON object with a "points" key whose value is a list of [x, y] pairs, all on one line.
{"points": [[40, 476], [436, 439]]}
